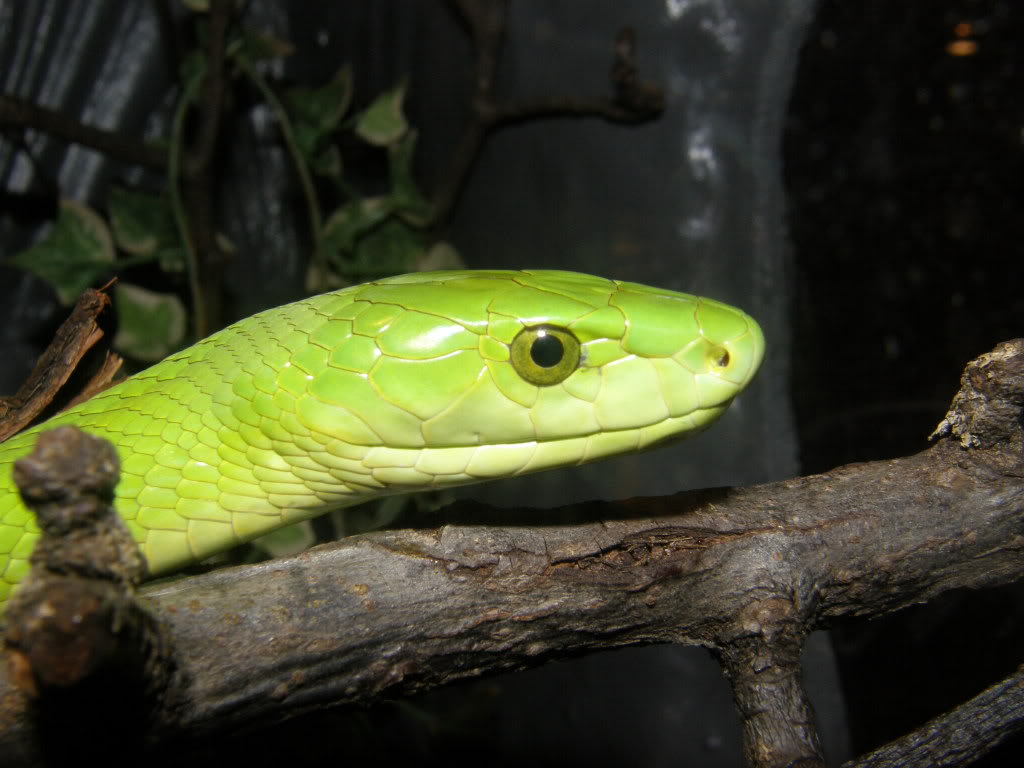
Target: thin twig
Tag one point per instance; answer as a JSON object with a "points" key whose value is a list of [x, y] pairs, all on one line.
{"points": [[198, 190], [301, 168], [75, 337], [200, 321], [212, 100], [510, 114], [634, 101], [18, 113]]}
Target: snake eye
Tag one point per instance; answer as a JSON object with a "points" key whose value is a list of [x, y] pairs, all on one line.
{"points": [[545, 355]]}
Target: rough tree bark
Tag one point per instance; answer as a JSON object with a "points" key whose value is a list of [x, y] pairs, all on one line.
{"points": [[745, 572]]}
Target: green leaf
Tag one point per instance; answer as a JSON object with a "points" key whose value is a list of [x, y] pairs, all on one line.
{"points": [[287, 541], [193, 70], [173, 259], [307, 139], [142, 224], [354, 219], [328, 163], [257, 45], [76, 253], [317, 112], [203, 6], [409, 202], [390, 249], [150, 325], [370, 517], [383, 122], [441, 255]]}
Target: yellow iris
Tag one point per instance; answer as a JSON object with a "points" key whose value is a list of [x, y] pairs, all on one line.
{"points": [[545, 354]]}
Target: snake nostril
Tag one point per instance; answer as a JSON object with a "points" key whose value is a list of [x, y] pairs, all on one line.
{"points": [[720, 357]]}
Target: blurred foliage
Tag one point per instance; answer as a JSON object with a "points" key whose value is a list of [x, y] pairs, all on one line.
{"points": [[362, 236]]}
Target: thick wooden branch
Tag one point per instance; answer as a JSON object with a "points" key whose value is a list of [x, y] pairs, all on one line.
{"points": [[745, 572]]}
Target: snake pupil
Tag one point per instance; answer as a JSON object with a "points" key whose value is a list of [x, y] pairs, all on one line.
{"points": [[547, 351]]}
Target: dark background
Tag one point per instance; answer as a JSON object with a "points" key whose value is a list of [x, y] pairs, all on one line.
{"points": [[830, 166], [903, 168]]}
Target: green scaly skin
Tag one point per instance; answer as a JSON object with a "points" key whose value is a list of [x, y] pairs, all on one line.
{"points": [[394, 386]]}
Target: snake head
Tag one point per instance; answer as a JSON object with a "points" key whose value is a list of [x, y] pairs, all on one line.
{"points": [[488, 374]]}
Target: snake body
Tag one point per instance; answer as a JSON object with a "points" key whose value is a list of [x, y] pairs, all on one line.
{"points": [[409, 383]]}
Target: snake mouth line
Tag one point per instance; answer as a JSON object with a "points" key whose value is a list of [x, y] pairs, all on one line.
{"points": [[714, 410], [458, 464]]}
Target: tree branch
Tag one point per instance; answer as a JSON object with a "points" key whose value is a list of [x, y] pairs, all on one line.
{"points": [[198, 183], [18, 113], [745, 572], [959, 737], [75, 337], [634, 101]]}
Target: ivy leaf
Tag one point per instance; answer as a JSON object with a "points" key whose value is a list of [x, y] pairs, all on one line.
{"points": [[328, 163], [150, 325], [441, 255], [142, 223], [287, 541], [370, 517], [76, 253], [257, 45], [317, 112], [193, 70], [353, 220], [409, 202], [383, 122], [390, 249]]}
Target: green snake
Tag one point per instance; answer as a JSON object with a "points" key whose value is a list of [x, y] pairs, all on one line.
{"points": [[414, 382]]}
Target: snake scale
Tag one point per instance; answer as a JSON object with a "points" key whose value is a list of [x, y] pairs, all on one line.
{"points": [[414, 382]]}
